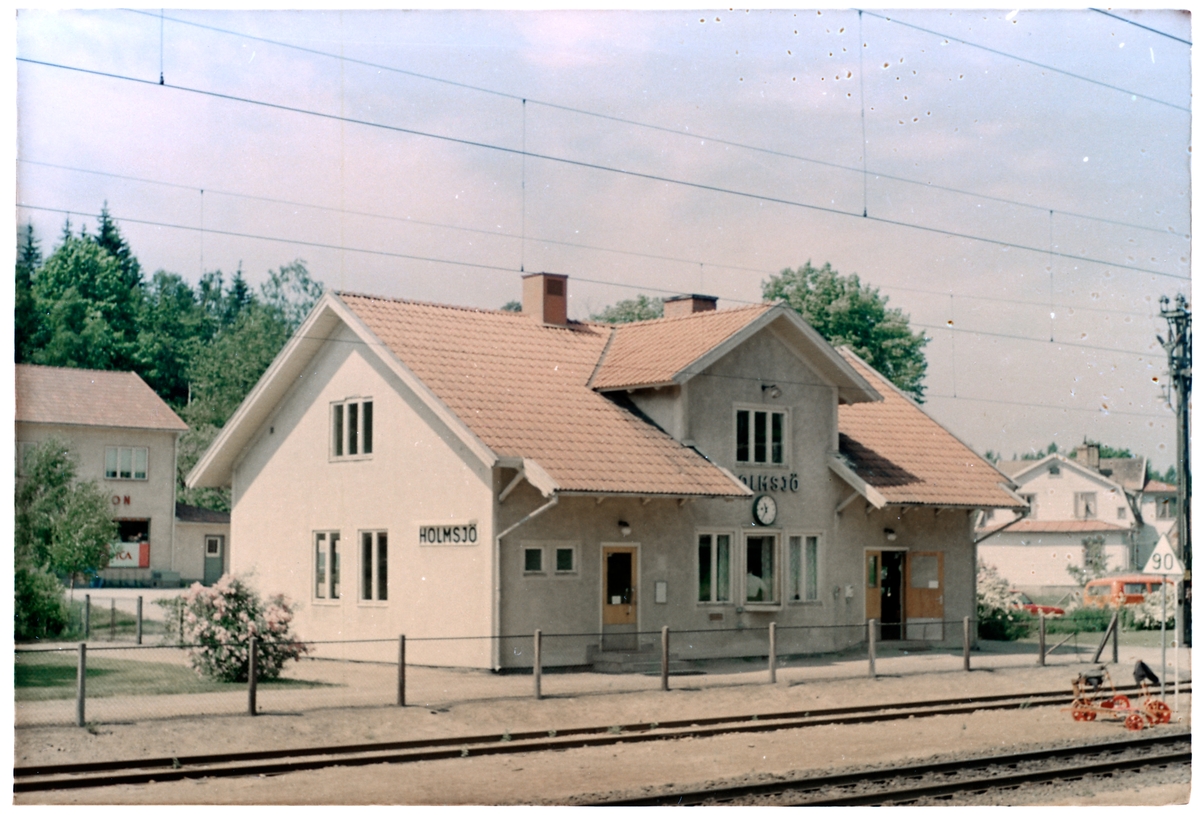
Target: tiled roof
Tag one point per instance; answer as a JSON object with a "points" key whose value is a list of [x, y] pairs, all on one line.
{"points": [[77, 396], [522, 388], [1028, 525], [199, 515], [911, 459], [1011, 468], [1160, 487], [654, 351]]}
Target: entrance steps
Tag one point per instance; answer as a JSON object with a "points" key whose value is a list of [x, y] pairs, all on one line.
{"points": [[647, 659]]}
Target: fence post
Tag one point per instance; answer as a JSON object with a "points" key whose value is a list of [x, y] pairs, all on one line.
{"points": [[253, 676], [966, 643], [112, 619], [81, 686], [181, 623], [87, 616], [772, 658], [139, 620], [1042, 639], [1116, 628], [537, 664], [1108, 632], [400, 675], [666, 657], [872, 628]]}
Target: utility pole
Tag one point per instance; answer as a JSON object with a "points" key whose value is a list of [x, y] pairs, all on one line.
{"points": [[1178, 345]]}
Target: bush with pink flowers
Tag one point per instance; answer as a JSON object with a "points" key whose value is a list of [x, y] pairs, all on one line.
{"points": [[219, 621]]}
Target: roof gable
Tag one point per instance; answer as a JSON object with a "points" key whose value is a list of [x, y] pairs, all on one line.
{"points": [[1040, 469], [78, 396]]}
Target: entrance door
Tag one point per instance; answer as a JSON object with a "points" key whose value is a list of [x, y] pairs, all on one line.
{"points": [[620, 597], [924, 598], [891, 595], [214, 558]]}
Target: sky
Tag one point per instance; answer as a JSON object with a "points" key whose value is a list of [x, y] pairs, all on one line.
{"points": [[1018, 183]]}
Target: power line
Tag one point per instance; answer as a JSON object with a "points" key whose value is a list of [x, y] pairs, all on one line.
{"points": [[659, 128], [572, 244], [1139, 25], [1030, 339], [592, 166], [1043, 66], [1103, 410]]}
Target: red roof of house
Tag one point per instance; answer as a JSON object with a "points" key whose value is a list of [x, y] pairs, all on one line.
{"points": [[1034, 525], [1160, 487], [77, 396]]}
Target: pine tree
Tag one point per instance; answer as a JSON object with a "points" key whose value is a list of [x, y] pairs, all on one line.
{"points": [[29, 259]]}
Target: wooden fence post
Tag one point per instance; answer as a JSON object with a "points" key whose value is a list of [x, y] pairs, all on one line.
{"points": [[253, 676], [400, 675], [666, 657], [771, 658], [139, 620], [87, 616], [537, 664], [81, 686], [966, 643], [872, 634], [1042, 639]]}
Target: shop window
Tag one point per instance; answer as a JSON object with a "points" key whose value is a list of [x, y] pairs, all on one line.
{"points": [[760, 436], [133, 531], [352, 428], [532, 556], [713, 551], [125, 463], [564, 560], [761, 576], [1085, 505], [327, 565], [373, 561], [803, 568]]}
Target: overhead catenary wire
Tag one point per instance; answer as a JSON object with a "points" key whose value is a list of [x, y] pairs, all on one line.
{"points": [[646, 125], [1144, 27], [592, 166]]}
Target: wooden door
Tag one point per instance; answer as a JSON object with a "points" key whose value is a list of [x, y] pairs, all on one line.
{"points": [[872, 584], [620, 585], [923, 602]]}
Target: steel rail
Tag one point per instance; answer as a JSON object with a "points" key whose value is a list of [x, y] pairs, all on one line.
{"points": [[732, 794], [34, 778]]}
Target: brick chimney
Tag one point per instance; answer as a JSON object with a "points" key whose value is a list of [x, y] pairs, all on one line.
{"points": [[1088, 455], [684, 304], [544, 297]]}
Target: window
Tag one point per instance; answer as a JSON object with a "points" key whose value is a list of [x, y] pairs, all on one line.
{"points": [[1120, 513], [533, 560], [760, 436], [133, 531], [1085, 505], [1164, 508], [374, 563], [986, 516], [328, 566], [125, 463], [713, 553], [803, 561], [1055, 471], [760, 569], [873, 571], [212, 546], [352, 428], [1031, 498], [564, 559]]}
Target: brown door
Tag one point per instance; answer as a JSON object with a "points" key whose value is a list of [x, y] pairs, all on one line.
{"points": [[620, 585], [923, 602], [872, 584]]}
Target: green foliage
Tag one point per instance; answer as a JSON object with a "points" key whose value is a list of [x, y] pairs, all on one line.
{"points": [[192, 445], [631, 311], [511, 305], [291, 292], [39, 611], [1148, 615], [29, 258], [1084, 618], [1095, 561], [846, 312], [1040, 454], [173, 328]]}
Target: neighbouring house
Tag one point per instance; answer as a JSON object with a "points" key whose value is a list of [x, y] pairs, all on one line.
{"points": [[1083, 511], [467, 474], [1160, 506], [124, 437]]}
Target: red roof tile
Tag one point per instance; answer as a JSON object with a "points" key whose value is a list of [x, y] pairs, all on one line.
{"points": [[1028, 525], [1160, 487], [899, 450], [77, 396]]}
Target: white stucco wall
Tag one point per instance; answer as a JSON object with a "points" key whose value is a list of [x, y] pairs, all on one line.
{"points": [[1056, 495], [1037, 563]]}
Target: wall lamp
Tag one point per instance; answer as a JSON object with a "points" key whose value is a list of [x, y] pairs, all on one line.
{"points": [[624, 527], [773, 390], [890, 534]]}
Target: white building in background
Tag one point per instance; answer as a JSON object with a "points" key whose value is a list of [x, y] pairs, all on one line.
{"points": [[124, 437]]}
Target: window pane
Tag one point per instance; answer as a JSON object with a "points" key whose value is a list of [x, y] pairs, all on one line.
{"points": [[381, 566], [743, 435], [873, 572], [564, 560], [533, 560], [760, 570], [776, 438], [337, 430], [723, 568], [352, 426], [366, 565], [139, 462], [110, 463], [760, 436], [321, 555], [923, 571], [335, 566], [705, 553], [368, 420], [795, 565], [810, 569], [125, 462]]}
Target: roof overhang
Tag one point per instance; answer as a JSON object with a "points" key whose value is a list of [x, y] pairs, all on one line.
{"points": [[845, 472]]}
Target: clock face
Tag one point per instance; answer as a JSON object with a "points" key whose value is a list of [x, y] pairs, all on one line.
{"points": [[764, 509]]}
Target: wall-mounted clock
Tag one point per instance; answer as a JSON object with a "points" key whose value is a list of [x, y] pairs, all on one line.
{"points": [[764, 510]]}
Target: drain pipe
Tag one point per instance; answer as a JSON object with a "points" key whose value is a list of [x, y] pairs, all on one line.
{"points": [[499, 574], [1022, 516], [549, 505]]}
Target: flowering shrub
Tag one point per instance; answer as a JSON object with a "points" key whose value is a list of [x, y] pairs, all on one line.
{"points": [[1149, 614], [999, 617], [218, 622]]}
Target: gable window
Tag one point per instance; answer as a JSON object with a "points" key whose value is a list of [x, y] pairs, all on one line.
{"points": [[327, 562], [1085, 505], [760, 436], [125, 463], [1055, 471], [803, 561], [373, 560], [761, 557], [713, 552], [352, 428]]}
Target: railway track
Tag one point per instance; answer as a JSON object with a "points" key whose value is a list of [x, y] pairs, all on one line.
{"points": [[34, 778], [940, 781]]}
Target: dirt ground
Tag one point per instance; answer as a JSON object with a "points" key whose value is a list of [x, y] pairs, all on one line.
{"points": [[592, 773]]}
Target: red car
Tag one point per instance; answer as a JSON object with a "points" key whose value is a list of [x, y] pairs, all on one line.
{"points": [[1021, 599]]}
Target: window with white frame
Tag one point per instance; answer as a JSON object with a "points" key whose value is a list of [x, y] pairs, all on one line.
{"points": [[352, 428], [713, 551], [327, 565], [532, 557], [1085, 505], [762, 576], [373, 565], [802, 560], [564, 560], [760, 435], [1031, 498], [125, 463]]}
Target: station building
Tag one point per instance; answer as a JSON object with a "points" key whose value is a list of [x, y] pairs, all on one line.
{"points": [[440, 471]]}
